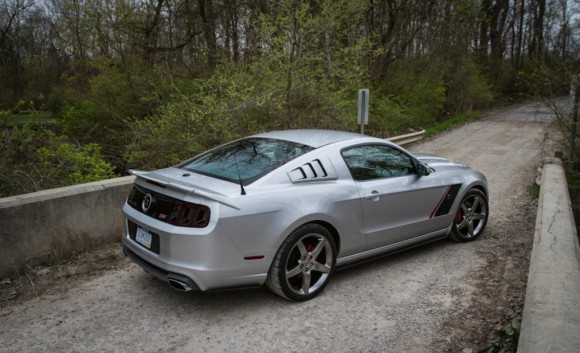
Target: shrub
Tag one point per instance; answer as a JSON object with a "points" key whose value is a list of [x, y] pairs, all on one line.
{"points": [[234, 102], [34, 158], [467, 89]]}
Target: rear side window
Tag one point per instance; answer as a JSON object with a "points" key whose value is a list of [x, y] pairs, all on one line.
{"points": [[252, 157], [377, 161]]}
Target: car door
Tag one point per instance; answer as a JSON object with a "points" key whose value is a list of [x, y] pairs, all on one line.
{"points": [[398, 204]]}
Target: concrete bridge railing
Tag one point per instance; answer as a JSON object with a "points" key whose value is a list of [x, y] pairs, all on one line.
{"points": [[43, 226], [551, 318]]}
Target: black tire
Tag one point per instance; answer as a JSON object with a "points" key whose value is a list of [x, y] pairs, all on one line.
{"points": [[471, 217], [303, 264]]}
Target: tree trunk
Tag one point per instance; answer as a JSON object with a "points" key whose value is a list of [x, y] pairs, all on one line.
{"points": [[537, 47], [520, 35], [209, 30]]}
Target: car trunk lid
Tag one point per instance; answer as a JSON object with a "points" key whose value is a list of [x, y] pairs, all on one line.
{"points": [[192, 183]]}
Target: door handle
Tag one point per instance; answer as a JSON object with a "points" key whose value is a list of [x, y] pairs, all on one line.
{"points": [[374, 195]]}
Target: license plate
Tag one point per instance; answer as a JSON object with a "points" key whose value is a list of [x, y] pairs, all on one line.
{"points": [[143, 237]]}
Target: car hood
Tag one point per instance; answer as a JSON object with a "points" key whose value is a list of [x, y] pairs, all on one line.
{"points": [[440, 164]]}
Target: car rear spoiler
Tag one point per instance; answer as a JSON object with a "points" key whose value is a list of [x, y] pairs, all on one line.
{"points": [[183, 188]]}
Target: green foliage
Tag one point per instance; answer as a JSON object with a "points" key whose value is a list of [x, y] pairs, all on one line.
{"points": [[314, 91], [207, 115], [540, 80], [82, 120], [314, 79], [33, 118], [506, 339], [573, 177], [425, 100], [4, 114], [20, 106], [420, 91], [72, 164], [178, 130], [121, 92], [386, 116], [417, 96], [467, 88], [238, 100], [535, 190], [451, 123], [58, 100], [118, 96], [33, 158]]}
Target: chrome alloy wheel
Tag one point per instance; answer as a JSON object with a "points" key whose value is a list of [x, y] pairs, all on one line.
{"points": [[309, 264], [471, 216]]}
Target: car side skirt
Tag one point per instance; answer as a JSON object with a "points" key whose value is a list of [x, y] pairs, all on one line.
{"points": [[370, 255]]}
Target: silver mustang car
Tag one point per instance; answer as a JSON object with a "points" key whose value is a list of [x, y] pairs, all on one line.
{"points": [[287, 208]]}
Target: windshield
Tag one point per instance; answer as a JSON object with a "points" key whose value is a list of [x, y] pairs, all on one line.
{"points": [[252, 158]]}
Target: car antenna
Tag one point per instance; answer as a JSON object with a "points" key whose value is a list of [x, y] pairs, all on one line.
{"points": [[238, 170]]}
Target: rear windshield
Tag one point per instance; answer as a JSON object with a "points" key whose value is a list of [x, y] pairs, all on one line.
{"points": [[246, 159]]}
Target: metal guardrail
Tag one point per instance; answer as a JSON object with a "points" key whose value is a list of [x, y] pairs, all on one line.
{"points": [[408, 138]]}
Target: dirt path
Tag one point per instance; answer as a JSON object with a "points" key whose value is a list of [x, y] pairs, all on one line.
{"points": [[439, 297]]}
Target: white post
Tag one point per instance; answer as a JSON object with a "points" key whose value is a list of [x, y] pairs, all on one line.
{"points": [[363, 108]]}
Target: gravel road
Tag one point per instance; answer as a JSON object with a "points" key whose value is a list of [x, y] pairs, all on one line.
{"points": [[440, 297]]}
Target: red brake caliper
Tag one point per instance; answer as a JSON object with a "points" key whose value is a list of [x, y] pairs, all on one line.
{"points": [[459, 216], [310, 247]]}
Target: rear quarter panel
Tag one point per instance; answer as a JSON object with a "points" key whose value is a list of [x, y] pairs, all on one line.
{"points": [[274, 207]]}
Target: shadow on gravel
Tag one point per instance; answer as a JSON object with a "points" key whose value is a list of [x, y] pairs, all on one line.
{"points": [[159, 293]]}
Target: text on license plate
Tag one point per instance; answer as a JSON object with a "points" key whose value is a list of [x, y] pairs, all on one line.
{"points": [[143, 237]]}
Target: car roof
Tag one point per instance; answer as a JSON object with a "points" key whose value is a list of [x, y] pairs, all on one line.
{"points": [[311, 137]]}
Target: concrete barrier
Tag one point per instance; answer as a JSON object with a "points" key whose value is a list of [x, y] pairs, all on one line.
{"points": [[47, 225], [551, 317]]}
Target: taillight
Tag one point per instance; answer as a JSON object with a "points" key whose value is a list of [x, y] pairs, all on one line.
{"points": [[169, 210], [185, 214]]}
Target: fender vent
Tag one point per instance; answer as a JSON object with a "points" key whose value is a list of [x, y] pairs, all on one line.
{"points": [[319, 169]]}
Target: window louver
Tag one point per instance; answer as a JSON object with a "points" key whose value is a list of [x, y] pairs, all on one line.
{"points": [[316, 170]]}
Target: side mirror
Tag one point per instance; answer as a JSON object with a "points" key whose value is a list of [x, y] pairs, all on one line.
{"points": [[423, 170]]}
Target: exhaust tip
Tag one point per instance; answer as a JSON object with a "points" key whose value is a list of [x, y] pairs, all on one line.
{"points": [[178, 285]]}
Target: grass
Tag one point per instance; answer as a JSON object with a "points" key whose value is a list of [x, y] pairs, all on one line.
{"points": [[535, 190], [505, 340], [32, 118], [449, 124]]}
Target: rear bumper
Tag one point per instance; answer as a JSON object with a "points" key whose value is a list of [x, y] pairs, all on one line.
{"points": [[157, 272], [204, 259]]}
